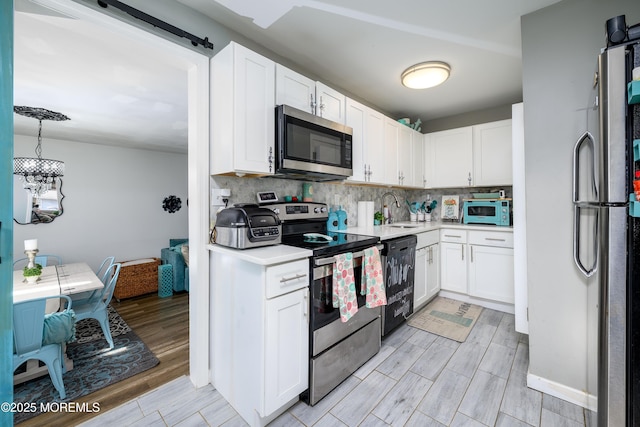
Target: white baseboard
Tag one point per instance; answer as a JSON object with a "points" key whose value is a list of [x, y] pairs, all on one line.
{"points": [[494, 305], [578, 397]]}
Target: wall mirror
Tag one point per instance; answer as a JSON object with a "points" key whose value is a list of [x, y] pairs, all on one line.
{"points": [[28, 209]]}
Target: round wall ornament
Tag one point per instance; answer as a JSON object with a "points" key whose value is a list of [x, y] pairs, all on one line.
{"points": [[171, 204]]}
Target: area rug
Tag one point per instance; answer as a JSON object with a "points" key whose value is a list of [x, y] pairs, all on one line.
{"points": [[94, 365], [447, 317]]}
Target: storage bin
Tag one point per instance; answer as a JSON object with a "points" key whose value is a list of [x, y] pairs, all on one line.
{"points": [[137, 277]]}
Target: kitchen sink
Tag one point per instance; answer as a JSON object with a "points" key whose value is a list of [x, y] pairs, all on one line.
{"points": [[404, 225]]}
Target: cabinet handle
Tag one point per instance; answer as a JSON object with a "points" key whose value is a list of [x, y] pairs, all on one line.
{"points": [[495, 239], [270, 158], [306, 306], [469, 179], [430, 254], [312, 104], [296, 277], [453, 235], [462, 252], [471, 253], [321, 107]]}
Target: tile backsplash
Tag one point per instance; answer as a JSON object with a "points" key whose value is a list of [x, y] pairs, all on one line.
{"points": [[243, 190]]}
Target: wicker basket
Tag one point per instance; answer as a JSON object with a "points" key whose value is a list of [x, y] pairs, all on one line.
{"points": [[137, 277]]}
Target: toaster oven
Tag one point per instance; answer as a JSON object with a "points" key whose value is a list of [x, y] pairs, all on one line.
{"points": [[487, 211]]}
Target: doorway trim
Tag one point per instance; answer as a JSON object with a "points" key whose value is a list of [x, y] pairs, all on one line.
{"points": [[198, 173]]}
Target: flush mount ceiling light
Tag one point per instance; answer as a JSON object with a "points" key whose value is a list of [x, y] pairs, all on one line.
{"points": [[37, 173], [425, 75]]}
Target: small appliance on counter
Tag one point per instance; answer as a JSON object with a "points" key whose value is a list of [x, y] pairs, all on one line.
{"points": [[487, 211], [245, 226]]}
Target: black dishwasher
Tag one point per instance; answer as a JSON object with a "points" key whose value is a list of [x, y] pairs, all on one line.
{"points": [[398, 261]]}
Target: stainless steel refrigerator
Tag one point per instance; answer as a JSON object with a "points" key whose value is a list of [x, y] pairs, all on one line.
{"points": [[607, 236]]}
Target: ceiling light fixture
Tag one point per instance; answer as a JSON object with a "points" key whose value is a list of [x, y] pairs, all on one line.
{"points": [[426, 74], [37, 173]]}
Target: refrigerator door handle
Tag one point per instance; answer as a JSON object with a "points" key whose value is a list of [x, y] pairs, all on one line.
{"points": [[584, 138], [590, 271]]}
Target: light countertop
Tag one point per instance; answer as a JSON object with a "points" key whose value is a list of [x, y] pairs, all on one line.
{"points": [[389, 231], [277, 254], [265, 255]]}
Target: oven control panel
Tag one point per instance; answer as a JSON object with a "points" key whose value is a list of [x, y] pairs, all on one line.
{"points": [[299, 210]]}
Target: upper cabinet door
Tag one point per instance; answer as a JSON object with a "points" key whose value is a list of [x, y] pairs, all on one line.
{"points": [[492, 153], [330, 104], [451, 157], [405, 156], [356, 116], [417, 159], [294, 89], [242, 112], [390, 151]]}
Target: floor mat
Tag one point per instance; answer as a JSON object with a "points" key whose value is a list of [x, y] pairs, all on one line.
{"points": [[94, 366], [447, 317]]}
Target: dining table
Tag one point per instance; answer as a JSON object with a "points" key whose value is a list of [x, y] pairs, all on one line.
{"points": [[64, 279]]}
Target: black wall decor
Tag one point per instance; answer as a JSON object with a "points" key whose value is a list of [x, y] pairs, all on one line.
{"points": [[171, 204]]}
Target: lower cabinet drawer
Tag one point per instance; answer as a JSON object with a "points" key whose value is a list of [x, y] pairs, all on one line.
{"points": [[287, 277], [491, 238], [453, 235]]}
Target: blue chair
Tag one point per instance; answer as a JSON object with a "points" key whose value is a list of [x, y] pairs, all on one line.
{"points": [[105, 268], [40, 336], [43, 260], [102, 274], [95, 307]]}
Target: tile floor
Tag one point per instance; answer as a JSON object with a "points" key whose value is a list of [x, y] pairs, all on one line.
{"points": [[417, 379]]}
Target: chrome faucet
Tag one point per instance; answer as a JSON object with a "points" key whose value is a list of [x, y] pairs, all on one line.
{"points": [[395, 198]]}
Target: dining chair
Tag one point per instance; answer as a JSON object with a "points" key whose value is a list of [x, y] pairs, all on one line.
{"points": [[105, 267], [43, 260], [37, 335], [96, 307]]}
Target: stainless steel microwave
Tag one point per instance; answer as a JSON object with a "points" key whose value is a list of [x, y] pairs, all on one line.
{"points": [[311, 147], [487, 211]]}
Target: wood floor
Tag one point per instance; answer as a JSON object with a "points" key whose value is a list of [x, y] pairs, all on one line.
{"points": [[163, 325]]}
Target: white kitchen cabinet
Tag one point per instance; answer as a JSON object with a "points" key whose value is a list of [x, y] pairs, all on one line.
{"points": [[295, 90], [331, 104], [260, 334], [417, 158], [451, 158], [405, 156], [492, 157], [453, 262], [491, 266], [299, 91], [242, 112], [426, 280], [286, 334], [390, 151], [368, 137]]}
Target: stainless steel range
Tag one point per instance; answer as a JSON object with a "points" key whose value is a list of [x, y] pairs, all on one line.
{"points": [[336, 349]]}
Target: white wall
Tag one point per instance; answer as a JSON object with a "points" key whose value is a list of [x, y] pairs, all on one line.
{"points": [[560, 48], [113, 202]]}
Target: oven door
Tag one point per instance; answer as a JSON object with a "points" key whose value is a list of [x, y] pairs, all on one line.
{"points": [[326, 327]]}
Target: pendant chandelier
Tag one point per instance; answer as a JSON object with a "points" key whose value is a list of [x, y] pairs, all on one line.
{"points": [[38, 174]]}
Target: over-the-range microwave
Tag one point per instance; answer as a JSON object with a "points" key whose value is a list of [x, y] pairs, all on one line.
{"points": [[310, 147], [487, 211]]}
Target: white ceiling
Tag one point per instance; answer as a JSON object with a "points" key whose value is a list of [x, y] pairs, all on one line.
{"points": [[363, 46], [119, 92], [114, 90]]}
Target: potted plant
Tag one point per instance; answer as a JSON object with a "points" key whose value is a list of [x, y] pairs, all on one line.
{"points": [[377, 218], [32, 274]]}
